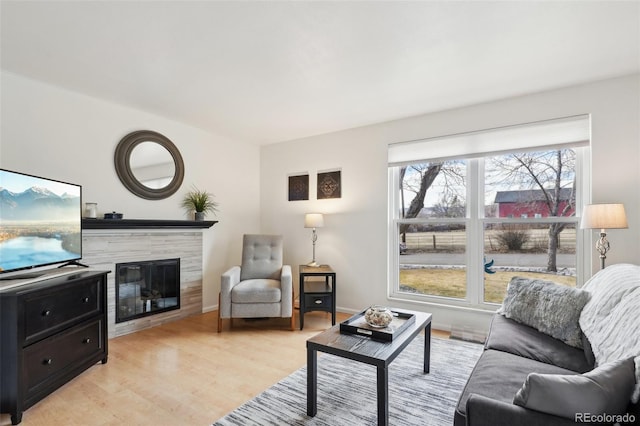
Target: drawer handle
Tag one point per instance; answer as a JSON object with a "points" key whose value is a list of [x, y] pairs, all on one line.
{"points": [[86, 340], [319, 301], [47, 361], [85, 300], [46, 313]]}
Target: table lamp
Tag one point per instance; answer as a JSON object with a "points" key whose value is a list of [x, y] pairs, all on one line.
{"points": [[313, 220], [603, 216]]}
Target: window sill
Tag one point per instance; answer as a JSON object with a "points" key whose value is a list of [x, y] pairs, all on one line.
{"points": [[454, 307]]}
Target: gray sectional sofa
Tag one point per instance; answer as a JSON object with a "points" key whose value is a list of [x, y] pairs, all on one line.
{"points": [[560, 356]]}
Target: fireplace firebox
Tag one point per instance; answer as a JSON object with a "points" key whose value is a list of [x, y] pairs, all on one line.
{"points": [[147, 288]]}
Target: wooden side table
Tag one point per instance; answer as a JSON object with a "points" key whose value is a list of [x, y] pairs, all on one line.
{"points": [[317, 295]]}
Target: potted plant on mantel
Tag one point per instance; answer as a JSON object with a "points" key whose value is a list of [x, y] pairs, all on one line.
{"points": [[199, 202]]}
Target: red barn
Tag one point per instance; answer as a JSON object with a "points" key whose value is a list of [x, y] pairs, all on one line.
{"points": [[531, 203]]}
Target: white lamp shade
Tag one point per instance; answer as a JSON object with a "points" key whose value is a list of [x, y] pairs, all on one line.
{"points": [[604, 216], [313, 220]]}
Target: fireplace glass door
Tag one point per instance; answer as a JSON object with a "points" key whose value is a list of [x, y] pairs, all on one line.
{"points": [[147, 288]]}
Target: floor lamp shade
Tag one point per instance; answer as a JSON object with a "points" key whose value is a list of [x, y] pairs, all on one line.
{"points": [[313, 220], [603, 217]]}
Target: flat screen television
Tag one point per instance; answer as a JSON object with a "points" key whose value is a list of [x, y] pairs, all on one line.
{"points": [[40, 222]]}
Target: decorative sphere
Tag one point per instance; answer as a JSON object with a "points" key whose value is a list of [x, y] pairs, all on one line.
{"points": [[378, 316]]}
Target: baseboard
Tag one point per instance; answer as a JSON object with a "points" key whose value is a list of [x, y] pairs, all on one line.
{"points": [[468, 334], [206, 309]]}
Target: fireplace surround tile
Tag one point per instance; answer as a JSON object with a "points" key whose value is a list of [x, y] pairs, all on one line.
{"points": [[103, 249]]}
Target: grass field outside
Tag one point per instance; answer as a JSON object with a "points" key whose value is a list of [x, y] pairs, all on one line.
{"points": [[452, 282], [448, 278]]}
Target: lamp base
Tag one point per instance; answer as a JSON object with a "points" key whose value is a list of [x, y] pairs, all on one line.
{"points": [[602, 245], [313, 264]]}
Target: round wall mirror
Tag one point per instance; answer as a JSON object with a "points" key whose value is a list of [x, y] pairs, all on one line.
{"points": [[149, 165]]}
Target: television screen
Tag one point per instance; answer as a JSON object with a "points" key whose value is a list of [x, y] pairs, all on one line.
{"points": [[40, 221]]}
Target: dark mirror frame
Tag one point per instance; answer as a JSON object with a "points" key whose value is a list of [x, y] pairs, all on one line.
{"points": [[122, 161]]}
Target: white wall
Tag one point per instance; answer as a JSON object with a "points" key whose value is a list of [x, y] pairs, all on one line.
{"points": [[51, 132], [354, 239]]}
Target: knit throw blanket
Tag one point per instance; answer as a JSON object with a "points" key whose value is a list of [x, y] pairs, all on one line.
{"points": [[611, 318]]}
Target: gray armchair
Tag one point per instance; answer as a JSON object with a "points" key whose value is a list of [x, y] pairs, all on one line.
{"points": [[261, 287]]}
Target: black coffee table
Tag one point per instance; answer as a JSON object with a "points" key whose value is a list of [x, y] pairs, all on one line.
{"points": [[369, 351]]}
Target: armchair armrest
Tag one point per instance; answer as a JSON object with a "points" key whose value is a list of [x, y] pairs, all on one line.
{"points": [[229, 279], [483, 411], [286, 288]]}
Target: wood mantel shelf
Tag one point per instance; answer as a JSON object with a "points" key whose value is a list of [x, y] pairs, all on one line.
{"points": [[145, 224]]}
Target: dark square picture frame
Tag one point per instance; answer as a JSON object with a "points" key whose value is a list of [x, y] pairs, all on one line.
{"points": [[298, 187], [329, 185]]}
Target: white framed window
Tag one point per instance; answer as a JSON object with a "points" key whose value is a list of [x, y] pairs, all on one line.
{"points": [[466, 224]]}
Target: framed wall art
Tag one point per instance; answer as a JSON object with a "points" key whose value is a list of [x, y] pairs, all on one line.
{"points": [[329, 185], [299, 187]]}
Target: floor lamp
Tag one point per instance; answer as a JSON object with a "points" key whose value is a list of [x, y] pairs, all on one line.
{"points": [[603, 216], [313, 220]]}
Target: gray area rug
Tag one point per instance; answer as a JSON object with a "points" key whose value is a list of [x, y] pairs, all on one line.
{"points": [[347, 390]]}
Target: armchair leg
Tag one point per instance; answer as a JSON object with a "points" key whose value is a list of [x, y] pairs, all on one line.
{"points": [[219, 316]]}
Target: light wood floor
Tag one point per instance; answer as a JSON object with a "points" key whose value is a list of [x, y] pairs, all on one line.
{"points": [[181, 373]]}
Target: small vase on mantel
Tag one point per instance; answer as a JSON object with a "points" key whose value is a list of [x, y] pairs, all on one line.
{"points": [[199, 216]]}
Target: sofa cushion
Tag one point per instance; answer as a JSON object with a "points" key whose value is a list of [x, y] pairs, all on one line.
{"points": [[588, 350], [604, 390], [551, 308], [510, 336], [610, 319], [499, 375]]}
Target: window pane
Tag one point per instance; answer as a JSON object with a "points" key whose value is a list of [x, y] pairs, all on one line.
{"points": [[530, 184], [432, 259], [543, 251], [436, 189]]}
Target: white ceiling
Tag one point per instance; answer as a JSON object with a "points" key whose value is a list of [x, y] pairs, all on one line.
{"points": [[268, 71]]}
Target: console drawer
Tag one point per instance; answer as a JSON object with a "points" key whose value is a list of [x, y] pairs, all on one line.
{"points": [[52, 356], [312, 301], [43, 314]]}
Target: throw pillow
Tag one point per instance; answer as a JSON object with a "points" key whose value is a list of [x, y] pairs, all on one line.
{"points": [[604, 390], [548, 307]]}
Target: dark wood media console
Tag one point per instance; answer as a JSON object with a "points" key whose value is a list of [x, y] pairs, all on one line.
{"points": [[51, 331]]}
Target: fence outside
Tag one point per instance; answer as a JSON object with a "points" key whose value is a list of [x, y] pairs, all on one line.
{"points": [[456, 241]]}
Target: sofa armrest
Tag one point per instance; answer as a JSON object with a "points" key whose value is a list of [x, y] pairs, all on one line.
{"points": [[229, 279], [286, 288], [483, 411]]}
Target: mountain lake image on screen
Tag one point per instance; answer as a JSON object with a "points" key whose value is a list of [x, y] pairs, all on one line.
{"points": [[40, 221]]}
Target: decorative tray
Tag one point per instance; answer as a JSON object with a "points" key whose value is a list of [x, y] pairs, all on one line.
{"points": [[357, 325]]}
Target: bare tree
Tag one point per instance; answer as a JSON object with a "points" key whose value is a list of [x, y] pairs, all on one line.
{"points": [[548, 172], [427, 174], [449, 207]]}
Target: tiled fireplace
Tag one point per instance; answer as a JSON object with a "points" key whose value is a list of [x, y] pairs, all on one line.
{"points": [[105, 249]]}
